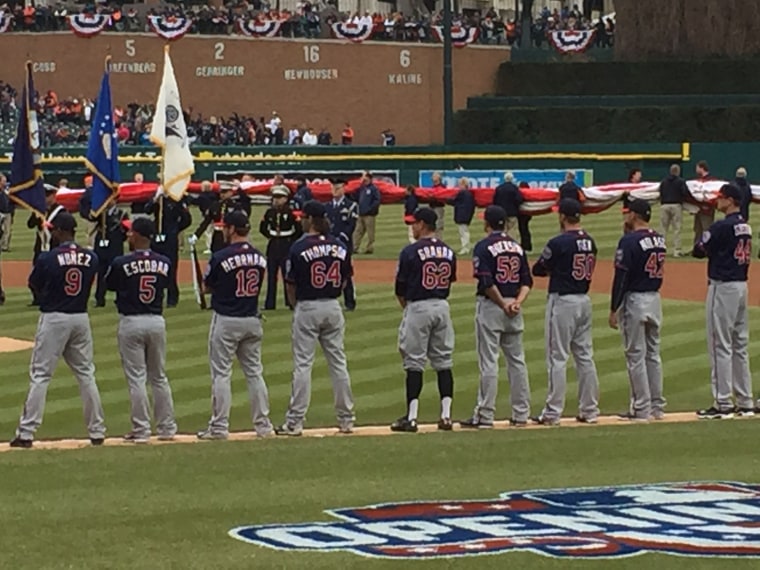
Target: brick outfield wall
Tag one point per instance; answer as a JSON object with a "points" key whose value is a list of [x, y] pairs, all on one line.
{"points": [[374, 86]]}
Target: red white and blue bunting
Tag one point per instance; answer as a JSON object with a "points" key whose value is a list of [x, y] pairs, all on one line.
{"points": [[353, 32], [170, 28], [5, 21], [571, 41], [88, 25], [258, 29], [460, 36]]}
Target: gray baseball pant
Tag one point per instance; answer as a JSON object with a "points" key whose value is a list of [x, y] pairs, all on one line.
{"points": [[142, 345], [426, 332], [67, 335], [640, 319], [494, 330], [230, 337], [320, 322], [727, 344], [568, 331]]}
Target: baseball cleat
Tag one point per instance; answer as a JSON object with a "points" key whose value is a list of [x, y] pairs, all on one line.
{"points": [[210, 435], [132, 437], [346, 429], [97, 441], [165, 437], [404, 424], [444, 424], [540, 420], [21, 443], [582, 420], [475, 423], [632, 418], [713, 413], [518, 423], [744, 412], [286, 429]]}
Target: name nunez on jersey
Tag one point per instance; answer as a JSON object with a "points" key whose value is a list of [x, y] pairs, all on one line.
{"points": [[652, 242], [74, 258], [151, 266], [243, 260], [325, 250], [435, 252]]}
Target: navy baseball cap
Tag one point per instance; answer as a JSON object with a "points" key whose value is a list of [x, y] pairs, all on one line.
{"points": [[495, 216], [64, 222], [427, 216], [570, 208], [640, 207], [314, 209], [237, 220], [730, 191], [142, 225]]}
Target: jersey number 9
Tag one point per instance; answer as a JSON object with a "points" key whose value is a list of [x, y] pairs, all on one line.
{"points": [[507, 269], [436, 275], [321, 275], [248, 281], [583, 266], [73, 282]]}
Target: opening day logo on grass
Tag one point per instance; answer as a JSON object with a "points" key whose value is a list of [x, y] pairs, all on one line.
{"points": [[687, 519]]}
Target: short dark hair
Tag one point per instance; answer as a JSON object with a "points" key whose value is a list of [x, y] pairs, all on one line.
{"points": [[321, 225], [703, 165], [633, 172]]}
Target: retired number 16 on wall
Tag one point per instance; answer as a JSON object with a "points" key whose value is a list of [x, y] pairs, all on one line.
{"points": [[313, 67]]}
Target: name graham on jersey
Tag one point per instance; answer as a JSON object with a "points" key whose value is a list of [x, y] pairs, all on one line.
{"points": [[74, 258], [651, 242], [243, 260], [505, 246], [140, 266], [435, 252], [742, 230], [326, 250]]}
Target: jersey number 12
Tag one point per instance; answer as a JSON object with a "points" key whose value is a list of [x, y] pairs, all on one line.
{"points": [[247, 283]]}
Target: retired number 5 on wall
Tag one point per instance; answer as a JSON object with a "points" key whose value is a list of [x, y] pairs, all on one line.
{"points": [[311, 56]]}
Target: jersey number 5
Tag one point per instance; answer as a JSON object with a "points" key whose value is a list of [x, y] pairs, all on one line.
{"points": [[147, 289], [743, 251], [436, 275], [655, 266], [321, 275], [583, 266], [72, 282], [507, 269], [247, 283]]}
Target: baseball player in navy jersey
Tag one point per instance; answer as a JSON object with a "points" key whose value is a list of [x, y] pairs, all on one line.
{"points": [[504, 281], [727, 244], [316, 273], [635, 309], [569, 259], [62, 280], [140, 279], [234, 277], [426, 270]]}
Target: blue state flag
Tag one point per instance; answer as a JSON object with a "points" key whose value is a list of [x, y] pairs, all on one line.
{"points": [[103, 151], [26, 185]]}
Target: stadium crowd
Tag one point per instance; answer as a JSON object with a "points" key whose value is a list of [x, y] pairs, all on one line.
{"points": [[313, 20]]}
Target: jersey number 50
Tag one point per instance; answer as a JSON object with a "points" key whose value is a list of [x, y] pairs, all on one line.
{"points": [[436, 275], [583, 266]]}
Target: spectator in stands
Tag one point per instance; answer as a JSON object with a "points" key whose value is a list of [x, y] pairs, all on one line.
{"points": [[368, 198], [309, 137], [347, 135], [324, 137], [509, 197], [706, 215], [388, 138], [294, 136], [570, 189], [673, 192], [464, 211], [438, 204], [746, 191]]}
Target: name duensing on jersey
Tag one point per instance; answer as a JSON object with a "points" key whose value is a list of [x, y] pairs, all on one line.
{"points": [[76, 258], [505, 246], [143, 266], [242, 260]]}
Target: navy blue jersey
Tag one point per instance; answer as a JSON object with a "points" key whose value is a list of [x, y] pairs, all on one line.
{"points": [[318, 266], [426, 270], [234, 275], [499, 260], [728, 247], [639, 264], [569, 260], [62, 278], [139, 279]]}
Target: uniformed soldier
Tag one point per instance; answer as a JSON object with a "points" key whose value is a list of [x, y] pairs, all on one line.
{"points": [[343, 214], [281, 228], [171, 218], [213, 216], [42, 241], [109, 244]]}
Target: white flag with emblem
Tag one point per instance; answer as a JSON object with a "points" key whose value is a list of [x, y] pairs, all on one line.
{"points": [[170, 133]]}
